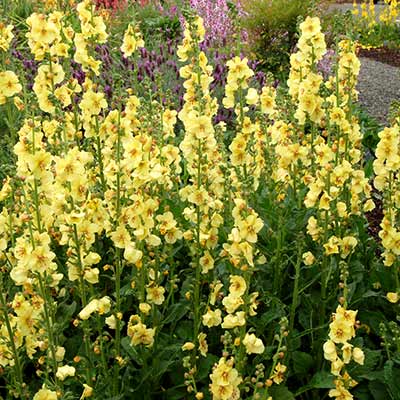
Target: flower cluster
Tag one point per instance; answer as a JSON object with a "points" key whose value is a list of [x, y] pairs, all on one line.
{"points": [[386, 168], [218, 19], [9, 82], [225, 380], [341, 332], [132, 40]]}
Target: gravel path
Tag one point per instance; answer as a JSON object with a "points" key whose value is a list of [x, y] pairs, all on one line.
{"points": [[379, 85]]}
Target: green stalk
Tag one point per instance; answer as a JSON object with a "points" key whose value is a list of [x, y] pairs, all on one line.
{"points": [[196, 297], [17, 364], [49, 325], [86, 331], [100, 157], [295, 300], [118, 266]]}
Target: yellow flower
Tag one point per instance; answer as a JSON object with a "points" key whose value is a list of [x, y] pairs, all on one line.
{"points": [[253, 344], [267, 100], [200, 126], [45, 394], [111, 322], [347, 244], [188, 346], [308, 258], [330, 353], [132, 254], [310, 27], [92, 103], [200, 30], [336, 366], [90, 308], [212, 318], [6, 36], [139, 333], [342, 327], [206, 262], [233, 320], [87, 392], [203, 346], [121, 238], [225, 380], [155, 294], [279, 373], [65, 371], [238, 286], [91, 275], [341, 393], [42, 31], [332, 246], [132, 40], [9, 84], [307, 103], [252, 97], [392, 297], [347, 352], [215, 292], [249, 228], [104, 305], [358, 356], [144, 308], [232, 302]]}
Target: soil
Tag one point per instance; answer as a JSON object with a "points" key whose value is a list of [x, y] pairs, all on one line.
{"points": [[383, 54], [375, 216]]}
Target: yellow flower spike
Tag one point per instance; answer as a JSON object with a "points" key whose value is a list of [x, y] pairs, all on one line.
{"points": [[6, 36], [132, 40]]}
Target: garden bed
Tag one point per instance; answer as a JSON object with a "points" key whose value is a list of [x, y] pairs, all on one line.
{"points": [[385, 55], [180, 222]]}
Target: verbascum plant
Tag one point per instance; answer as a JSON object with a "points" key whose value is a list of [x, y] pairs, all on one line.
{"points": [[131, 234]]}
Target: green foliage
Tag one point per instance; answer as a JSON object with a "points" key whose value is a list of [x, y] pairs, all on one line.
{"points": [[17, 9], [272, 27], [394, 112], [379, 35]]}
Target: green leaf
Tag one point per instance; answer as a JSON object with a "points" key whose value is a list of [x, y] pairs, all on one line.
{"points": [[379, 391], [280, 392], [372, 358], [175, 313], [205, 366], [302, 362], [322, 380], [276, 311], [131, 350], [392, 379], [362, 392]]}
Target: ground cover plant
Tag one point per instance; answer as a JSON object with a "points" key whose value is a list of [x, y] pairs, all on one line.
{"points": [[150, 250]]}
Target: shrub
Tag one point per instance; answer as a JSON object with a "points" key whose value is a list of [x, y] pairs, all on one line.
{"points": [[272, 27]]}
